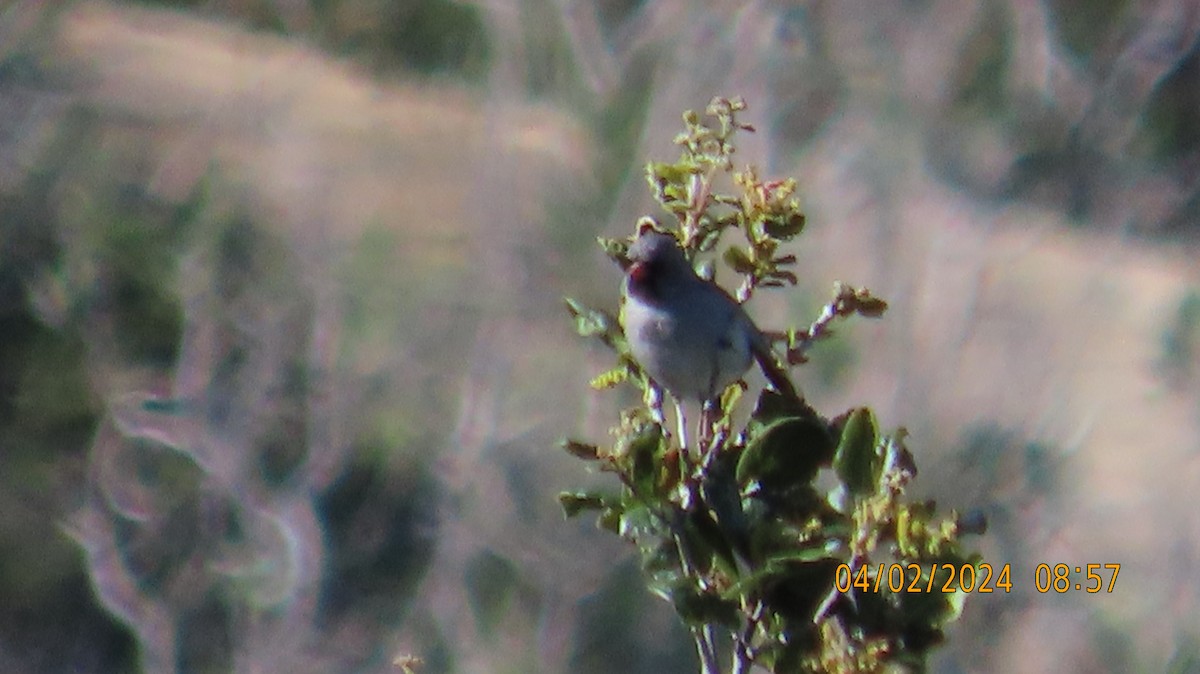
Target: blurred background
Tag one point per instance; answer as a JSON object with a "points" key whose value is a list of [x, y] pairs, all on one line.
{"points": [[283, 358]]}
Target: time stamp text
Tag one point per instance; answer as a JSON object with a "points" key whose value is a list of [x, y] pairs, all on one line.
{"points": [[981, 578]]}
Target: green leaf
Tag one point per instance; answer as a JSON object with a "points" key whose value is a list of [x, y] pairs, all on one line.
{"points": [[676, 193], [787, 452], [640, 458], [784, 225], [779, 568], [702, 608], [801, 588], [784, 277], [709, 236], [590, 322], [610, 519], [679, 174], [739, 260], [730, 397], [574, 503], [772, 406], [772, 535], [722, 495], [617, 250], [707, 543], [857, 459], [581, 450], [872, 307], [610, 378], [916, 533], [637, 523], [906, 542], [921, 614]]}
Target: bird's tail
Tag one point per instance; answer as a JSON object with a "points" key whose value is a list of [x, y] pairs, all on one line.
{"points": [[777, 376]]}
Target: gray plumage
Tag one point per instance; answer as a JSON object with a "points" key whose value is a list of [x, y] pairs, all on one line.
{"points": [[687, 333]]}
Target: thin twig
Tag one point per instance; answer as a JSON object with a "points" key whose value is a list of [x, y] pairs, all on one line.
{"points": [[706, 647], [742, 657]]}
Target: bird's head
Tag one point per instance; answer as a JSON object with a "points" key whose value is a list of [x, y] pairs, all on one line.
{"points": [[656, 262]]}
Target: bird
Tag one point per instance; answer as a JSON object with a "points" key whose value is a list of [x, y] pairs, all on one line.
{"points": [[686, 332]]}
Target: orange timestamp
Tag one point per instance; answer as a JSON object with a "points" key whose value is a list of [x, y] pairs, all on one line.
{"points": [[1063, 577], [924, 578], [981, 578]]}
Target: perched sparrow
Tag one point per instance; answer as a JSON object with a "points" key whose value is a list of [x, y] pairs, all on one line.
{"points": [[687, 333]]}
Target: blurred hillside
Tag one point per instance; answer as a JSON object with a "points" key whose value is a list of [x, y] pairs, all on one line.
{"points": [[283, 360]]}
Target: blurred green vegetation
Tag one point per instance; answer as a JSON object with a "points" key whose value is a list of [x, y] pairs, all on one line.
{"points": [[430, 37], [91, 287], [491, 583], [1061, 156], [1083, 26], [422, 37], [1186, 658], [1180, 341], [1171, 125], [376, 575], [614, 634], [978, 82], [48, 411]]}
